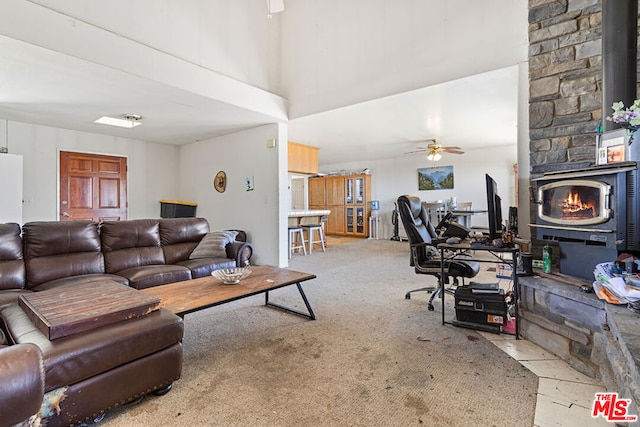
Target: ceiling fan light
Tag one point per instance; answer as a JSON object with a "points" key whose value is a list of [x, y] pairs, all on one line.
{"points": [[434, 156]]}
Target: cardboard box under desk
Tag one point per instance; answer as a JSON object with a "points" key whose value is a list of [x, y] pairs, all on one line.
{"points": [[73, 309]]}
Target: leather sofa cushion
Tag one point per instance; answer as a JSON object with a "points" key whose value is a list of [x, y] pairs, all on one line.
{"points": [[132, 243], [177, 252], [55, 250], [179, 236], [47, 238], [12, 271], [135, 233], [22, 379], [124, 259], [10, 242], [48, 268], [180, 230], [77, 357], [11, 297], [12, 274], [155, 275], [86, 278], [202, 267]]}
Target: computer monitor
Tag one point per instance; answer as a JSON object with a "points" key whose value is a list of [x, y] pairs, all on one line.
{"points": [[494, 209]]}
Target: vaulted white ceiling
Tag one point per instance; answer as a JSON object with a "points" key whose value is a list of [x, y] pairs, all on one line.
{"points": [[99, 73]]}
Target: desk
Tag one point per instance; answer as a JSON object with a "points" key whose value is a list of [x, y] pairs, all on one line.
{"points": [[449, 251], [463, 217]]}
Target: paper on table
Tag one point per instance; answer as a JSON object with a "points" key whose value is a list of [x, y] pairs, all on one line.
{"points": [[616, 285]]}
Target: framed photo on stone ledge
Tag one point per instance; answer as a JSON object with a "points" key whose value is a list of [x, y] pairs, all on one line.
{"points": [[612, 147]]}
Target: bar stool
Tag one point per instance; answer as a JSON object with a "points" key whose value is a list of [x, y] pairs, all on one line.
{"points": [[296, 240], [310, 229]]}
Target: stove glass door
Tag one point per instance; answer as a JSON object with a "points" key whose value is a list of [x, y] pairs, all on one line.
{"points": [[574, 202]]}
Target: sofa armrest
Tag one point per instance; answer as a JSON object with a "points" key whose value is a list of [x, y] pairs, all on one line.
{"points": [[22, 379], [240, 251]]}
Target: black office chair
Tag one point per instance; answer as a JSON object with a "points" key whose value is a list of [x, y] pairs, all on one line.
{"points": [[425, 258]]}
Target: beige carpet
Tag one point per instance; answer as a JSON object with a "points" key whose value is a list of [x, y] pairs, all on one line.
{"points": [[372, 358]]}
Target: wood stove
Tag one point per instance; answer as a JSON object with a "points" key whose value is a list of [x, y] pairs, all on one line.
{"points": [[592, 213]]}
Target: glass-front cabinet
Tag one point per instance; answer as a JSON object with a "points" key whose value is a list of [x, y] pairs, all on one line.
{"points": [[359, 183], [355, 187], [350, 223], [348, 198]]}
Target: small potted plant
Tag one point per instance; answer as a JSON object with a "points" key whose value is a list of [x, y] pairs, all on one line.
{"points": [[627, 117]]}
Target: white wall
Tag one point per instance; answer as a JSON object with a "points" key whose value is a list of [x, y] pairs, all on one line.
{"points": [[234, 38], [11, 188], [153, 172], [260, 212], [338, 52], [394, 177]]}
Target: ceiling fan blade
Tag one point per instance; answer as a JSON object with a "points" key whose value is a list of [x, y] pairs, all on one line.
{"points": [[452, 147], [416, 151], [452, 151], [429, 140]]}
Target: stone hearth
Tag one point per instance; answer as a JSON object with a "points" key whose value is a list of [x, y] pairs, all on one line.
{"points": [[600, 340]]}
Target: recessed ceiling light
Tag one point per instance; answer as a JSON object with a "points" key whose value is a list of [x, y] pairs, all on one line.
{"points": [[128, 121]]}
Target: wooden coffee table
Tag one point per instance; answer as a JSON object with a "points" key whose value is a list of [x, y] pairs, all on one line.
{"points": [[192, 295]]}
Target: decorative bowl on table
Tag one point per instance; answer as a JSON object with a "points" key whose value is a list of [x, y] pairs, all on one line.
{"points": [[231, 276]]}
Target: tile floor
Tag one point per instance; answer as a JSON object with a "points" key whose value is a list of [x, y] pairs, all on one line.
{"points": [[565, 396]]}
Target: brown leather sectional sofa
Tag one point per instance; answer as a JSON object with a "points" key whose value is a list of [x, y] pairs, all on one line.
{"points": [[74, 379]]}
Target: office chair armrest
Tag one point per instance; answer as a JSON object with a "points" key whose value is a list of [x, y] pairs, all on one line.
{"points": [[438, 240], [422, 252]]}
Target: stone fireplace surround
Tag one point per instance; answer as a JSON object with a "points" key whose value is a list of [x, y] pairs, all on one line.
{"points": [[599, 339], [566, 95]]}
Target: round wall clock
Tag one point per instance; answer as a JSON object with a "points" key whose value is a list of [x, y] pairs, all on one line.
{"points": [[220, 182]]}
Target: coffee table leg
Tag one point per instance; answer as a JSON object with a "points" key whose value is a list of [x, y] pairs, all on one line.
{"points": [[310, 315]]}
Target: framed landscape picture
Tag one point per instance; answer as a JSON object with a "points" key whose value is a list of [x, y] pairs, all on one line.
{"points": [[435, 178]]}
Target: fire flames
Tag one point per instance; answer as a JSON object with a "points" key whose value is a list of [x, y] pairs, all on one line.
{"points": [[572, 207]]}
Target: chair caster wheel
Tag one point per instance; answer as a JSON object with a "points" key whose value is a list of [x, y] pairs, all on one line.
{"points": [[431, 307], [407, 296]]}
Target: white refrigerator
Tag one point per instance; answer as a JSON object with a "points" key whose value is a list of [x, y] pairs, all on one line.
{"points": [[10, 188]]}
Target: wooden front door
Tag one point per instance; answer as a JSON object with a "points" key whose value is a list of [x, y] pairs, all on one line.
{"points": [[92, 187]]}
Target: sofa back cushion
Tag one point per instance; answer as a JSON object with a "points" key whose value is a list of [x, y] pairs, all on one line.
{"points": [[132, 243], [179, 236], [12, 272], [53, 250]]}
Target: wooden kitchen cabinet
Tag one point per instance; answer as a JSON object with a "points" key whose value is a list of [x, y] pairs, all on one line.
{"points": [[335, 190], [303, 158], [317, 193], [347, 197]]}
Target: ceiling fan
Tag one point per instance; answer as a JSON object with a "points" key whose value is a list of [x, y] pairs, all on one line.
{"points": [[433, 150]]}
